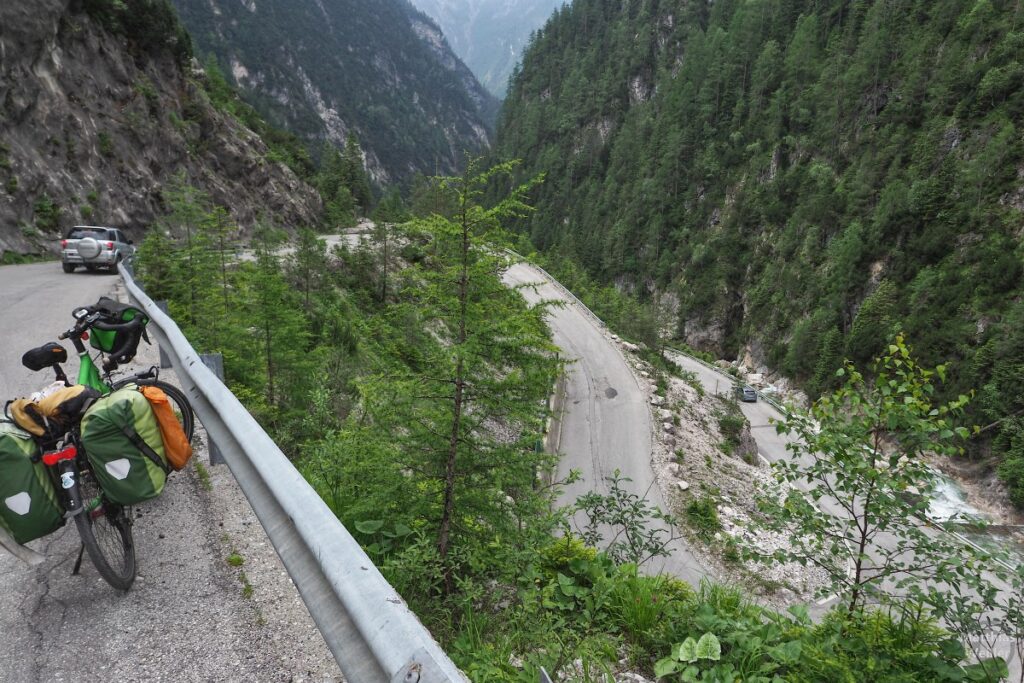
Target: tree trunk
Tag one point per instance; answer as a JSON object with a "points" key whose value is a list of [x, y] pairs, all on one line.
{"points": [[448, 507]]}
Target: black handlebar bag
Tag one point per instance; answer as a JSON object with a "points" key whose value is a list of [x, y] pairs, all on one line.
{"points": [[126, 343]]}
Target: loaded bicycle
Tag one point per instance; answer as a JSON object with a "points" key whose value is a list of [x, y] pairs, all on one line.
{"points": [[85, 493]]}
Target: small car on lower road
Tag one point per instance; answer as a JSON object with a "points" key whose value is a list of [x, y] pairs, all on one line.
{"points": [[745, 393]]}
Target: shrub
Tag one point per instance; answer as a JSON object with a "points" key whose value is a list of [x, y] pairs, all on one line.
{"points": [[47, 214], [559, 556], [703, 515], [730, 425]]}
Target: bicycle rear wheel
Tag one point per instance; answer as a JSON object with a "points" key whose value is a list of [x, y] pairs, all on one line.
{"points": [[179, 403], [106, 532]]}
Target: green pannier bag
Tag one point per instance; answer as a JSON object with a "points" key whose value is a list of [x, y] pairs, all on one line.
{"points": [[29, 508], [122, 441]]}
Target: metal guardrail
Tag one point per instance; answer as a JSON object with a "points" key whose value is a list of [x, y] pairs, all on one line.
{"points": [[372, 633]]}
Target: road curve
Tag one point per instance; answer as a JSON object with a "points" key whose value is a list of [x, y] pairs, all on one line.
{"points": [[607, 421]]}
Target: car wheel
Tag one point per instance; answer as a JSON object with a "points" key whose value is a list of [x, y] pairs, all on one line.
{"points": [[68, 267]]}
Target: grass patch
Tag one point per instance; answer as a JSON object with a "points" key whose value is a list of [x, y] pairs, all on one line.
{"points": [[235, 560], [247, 589], [703, 516], [204, 476], [9, 258]]}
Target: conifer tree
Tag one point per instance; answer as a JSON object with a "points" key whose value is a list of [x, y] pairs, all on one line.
{"points": [[354, 176], [483, 369]]}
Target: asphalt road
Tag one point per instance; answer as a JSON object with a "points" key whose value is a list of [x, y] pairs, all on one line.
{"points": [[607, 421], [185, 618]]}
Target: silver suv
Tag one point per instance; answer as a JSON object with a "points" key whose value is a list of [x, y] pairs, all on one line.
{"points": [[94, 247]]}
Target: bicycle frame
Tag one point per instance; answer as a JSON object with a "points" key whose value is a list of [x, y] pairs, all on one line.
{"points": [[89, 374]]}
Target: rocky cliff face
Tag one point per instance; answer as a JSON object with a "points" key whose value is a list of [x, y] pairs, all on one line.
{"points": [[90, 133], [327, 69]]}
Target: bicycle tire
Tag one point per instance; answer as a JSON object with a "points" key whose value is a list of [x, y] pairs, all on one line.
{"points": [[179, 403], [106, 532]]}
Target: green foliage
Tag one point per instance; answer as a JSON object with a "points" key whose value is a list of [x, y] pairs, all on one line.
{"points": [[457, 352], [105, 144], [844, 499], [702, 513], [47, 214], [730, 640], [250, 312], [560, 555], [358, 387], [150, 26], [731, 423], [803, 176], [345, 185], [619, 521]]}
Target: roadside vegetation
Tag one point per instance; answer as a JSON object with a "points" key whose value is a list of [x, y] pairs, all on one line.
{"points": [[409, 386]]}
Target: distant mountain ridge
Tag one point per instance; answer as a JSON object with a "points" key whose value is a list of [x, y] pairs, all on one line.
{"points": [[489, 35], [323, 69]]}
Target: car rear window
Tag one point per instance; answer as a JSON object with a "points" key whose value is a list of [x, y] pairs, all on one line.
{"points": [[95, 233]]}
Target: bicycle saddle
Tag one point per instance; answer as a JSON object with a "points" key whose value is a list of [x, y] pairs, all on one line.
{"points": [[44, 356]]}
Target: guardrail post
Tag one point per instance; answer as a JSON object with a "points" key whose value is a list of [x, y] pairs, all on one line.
{"points": [[165, 362], [215, 362]]}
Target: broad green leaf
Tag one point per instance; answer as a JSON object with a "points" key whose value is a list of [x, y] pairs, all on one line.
{"points": [[708, 647], [664, 667], [688, 650], [369, 526]]}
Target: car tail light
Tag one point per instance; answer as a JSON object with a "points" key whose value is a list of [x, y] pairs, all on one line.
{"points": [[110, 245], [63, 244]]}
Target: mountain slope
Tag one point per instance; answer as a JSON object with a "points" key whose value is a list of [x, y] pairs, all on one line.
{"points": [[800, 177], [326, 68], [489, 35], [99, 115]]}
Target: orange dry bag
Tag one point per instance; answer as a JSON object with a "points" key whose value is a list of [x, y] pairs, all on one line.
{"points": [[176, 445]]}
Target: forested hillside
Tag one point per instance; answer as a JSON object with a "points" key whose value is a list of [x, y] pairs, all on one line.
{"points": [[801, 177], [377, 69]]}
